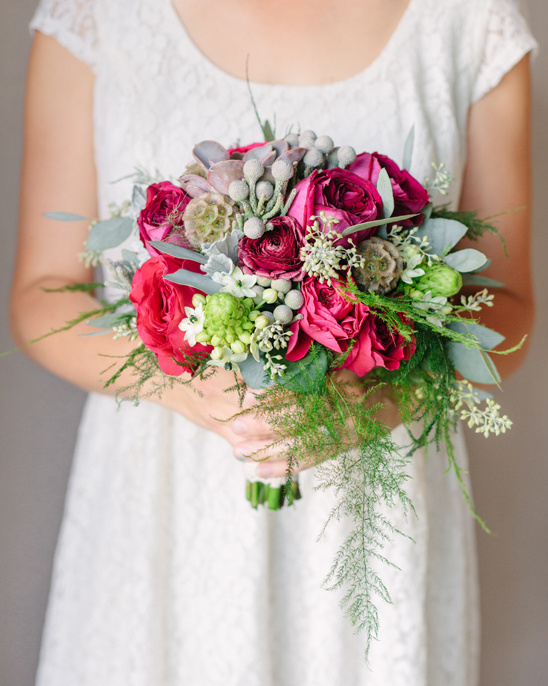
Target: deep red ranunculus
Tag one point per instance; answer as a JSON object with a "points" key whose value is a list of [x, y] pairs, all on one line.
{"points": [[336, 322], [160, 307], [340, 193], [276, 254], [410, 196], [162, 217]]}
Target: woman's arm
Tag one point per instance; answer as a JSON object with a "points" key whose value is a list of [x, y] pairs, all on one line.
{"points": [[59, 174], [498, 180]]}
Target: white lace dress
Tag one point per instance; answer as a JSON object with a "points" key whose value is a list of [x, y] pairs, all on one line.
{"points": [[164, 575]]}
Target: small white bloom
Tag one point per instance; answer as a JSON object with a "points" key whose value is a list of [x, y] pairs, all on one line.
{"points": [[193, 324], [237, 283], [434, 306], [227, 358]]}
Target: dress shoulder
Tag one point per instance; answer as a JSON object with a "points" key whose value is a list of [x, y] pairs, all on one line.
{"points": [[72, 23], [506, 39]]}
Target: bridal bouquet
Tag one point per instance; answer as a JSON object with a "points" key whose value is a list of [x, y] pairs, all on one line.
{"points": [[287, 263]]}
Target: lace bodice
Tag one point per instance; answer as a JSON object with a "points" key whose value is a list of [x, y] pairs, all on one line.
{"points": [[152, 587], [157, 94]]}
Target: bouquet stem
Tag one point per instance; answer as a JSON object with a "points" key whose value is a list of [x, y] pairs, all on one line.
{"points": [[273, 493]]}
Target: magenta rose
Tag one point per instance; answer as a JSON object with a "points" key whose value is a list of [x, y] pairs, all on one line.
{"points": [[388, 347], [276, 254], [162, 217], [160, 307], [332, 320], [410, 196], [335, 322], [341, 194]]}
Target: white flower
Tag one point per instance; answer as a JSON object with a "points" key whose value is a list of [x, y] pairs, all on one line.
{"points": [[193, 324], [435, 306], [237, 283], [227, 358], [411, 271]]}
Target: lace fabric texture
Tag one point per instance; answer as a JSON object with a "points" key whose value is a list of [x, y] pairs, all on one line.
{"points": [[163, 573]]}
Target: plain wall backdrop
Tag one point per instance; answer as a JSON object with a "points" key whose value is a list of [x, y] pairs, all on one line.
{"points": [[39, 417]]}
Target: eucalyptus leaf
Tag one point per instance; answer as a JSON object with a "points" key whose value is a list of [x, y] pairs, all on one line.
{"points": [[384, 188], [427, 211], [382, 233], [253, 373], [474, 364], [178, 251], [96, 333], [408, 149], [200, 281], [467, 260], [376, 222], [105, 322], [482, 268], [65, 216], [308, 374], [442, 234], [138, 201], [487, 338], [109, 233], [478, 280], [129, 256]]}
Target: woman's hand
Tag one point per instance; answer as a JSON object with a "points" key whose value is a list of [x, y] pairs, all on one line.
{"points": [[255, 436]]}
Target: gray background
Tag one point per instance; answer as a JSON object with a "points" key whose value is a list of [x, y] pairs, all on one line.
{"points": [[39, 417]]}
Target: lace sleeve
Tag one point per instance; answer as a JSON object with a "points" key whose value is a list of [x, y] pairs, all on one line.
{"points": [[72, 23], [507, 40]]}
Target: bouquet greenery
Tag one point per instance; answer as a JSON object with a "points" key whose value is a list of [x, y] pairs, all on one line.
{"points": [[323, 279]]}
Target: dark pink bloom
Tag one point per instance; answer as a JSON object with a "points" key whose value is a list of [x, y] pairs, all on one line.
{"points": [[162, 217], [276, 254], [160, 307], [336, 323], [410, 196], [341, 194]]}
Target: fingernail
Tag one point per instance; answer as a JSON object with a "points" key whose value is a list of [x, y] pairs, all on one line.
{"points": [[265, 470], [239, 427]]}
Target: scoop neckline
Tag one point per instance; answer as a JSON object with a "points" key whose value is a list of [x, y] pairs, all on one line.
{"points": [[185, 40]]}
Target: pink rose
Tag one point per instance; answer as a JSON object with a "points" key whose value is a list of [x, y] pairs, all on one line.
{"points": [[160, 307], [341, 194], [410, 196], [162, 217], [332, 320], [389, 348], [336, 322], [276, 254]]}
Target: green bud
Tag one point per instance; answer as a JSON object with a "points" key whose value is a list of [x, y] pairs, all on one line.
{"points": [[410, 251], [198, 299], [281, 285], [216, 354], [245, 337], [260, 323], [440, 279], [216, 340], [270, 295], [202, 337], [237, 347]]}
